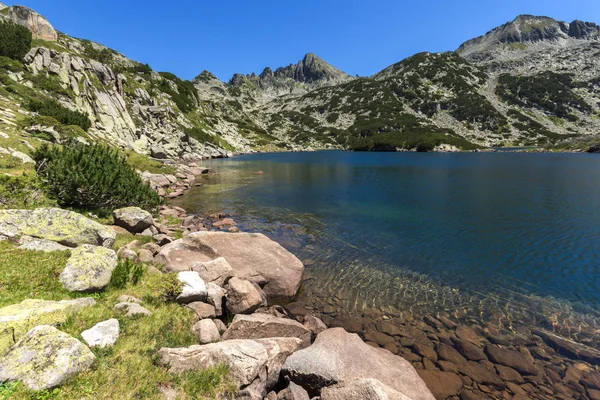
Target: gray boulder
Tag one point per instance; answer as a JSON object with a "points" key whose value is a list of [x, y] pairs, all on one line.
{"points": [[207, 331], [338, 356], [103, 334], [215, 271], [215, 297], [55, 224], [47, 246], [134, 219], [133, 309], [293, 392], [244, 297], [89, 269], [193, 287], [44, 358], [258, 326], [203, 310]]}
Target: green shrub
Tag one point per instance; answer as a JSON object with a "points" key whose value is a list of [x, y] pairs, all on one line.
{"points": [[52, 108], [164, 288], [15, 40], [23, 191], [92, 177], [185, 96], [126, 272]]}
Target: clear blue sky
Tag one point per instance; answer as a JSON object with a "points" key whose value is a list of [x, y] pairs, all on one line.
{"points": [[224, 37]]}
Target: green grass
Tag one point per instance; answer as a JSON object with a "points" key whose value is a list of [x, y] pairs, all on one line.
{"points": [[126, 238], [145, 163], [129, 369]]}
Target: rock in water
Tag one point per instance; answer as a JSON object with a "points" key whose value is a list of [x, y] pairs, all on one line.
{"points": [[361, 389], [252, 256], [338, 356], [89, 269], [253, 364], [244, 297], [103, 334], [17, 319], [258, 326], [44, 358], [134, 219], [61, 226]]}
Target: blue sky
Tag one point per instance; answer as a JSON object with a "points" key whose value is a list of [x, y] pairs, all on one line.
{"points": [[224, 37]]}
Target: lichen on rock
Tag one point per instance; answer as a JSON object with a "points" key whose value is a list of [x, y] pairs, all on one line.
{"points": [[89, 269]]}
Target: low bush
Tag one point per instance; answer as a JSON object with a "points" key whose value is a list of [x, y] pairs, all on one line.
{"points": [[92, 177], [52, 108], [15, 40], [22, 192], [126, 272]]}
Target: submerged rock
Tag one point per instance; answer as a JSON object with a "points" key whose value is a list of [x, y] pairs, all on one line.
{"points": [[338, 356], [61, 226], [134, 219], [44, 358], [17, 319], [252, 256], [89, 269]]}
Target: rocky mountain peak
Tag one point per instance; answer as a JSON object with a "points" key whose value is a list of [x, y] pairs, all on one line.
{"points": [[36, 23]]}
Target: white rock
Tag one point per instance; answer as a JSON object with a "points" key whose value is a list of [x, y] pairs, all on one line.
{"points": [[194, 288], [103, 334]]}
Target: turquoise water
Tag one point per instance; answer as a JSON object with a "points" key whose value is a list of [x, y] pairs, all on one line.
{"points": [[478, 231]]}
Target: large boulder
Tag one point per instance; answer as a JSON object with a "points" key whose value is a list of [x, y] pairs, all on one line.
{"points": [[361, 389], [207, 331], [44, 358], [37, 24], [252, 256], [254, 365], [61, 226], [103, 334], [338, 356], [258, 326], [89, 269], [244, 297], [215, 271], [17, 319], [134, 219]]}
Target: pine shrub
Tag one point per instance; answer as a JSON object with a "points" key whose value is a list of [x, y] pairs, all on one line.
{"points": [[52, 108], [15, 40], [126, 272], [92, 177]]}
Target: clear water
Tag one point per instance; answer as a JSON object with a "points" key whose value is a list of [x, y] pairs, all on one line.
{"points": [[513, 235]]}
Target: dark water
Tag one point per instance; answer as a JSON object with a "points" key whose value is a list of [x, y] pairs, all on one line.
{"points": [[515, 235]]}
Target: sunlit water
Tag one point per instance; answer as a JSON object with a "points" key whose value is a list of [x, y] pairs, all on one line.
{"points": [[511, 238]]}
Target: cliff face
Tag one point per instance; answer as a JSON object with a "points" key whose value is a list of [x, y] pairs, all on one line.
{"points": [[37, 24]]}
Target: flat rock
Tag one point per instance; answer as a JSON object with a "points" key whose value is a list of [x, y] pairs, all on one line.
{"points": [[337, 356], [134, 219], [215, 271], [511, 358], [133, 309], [44, 358], [194, 288], [442, 384], [207, 331], [203, 310], [569, 348], [89, 269], [481, 374], [255, 363], [17, 319], [252, 256], [258, 326], [244, 297], [469, 350], [361, 389], [103, 334], [55, 224], [47, 246], [313, 323]]}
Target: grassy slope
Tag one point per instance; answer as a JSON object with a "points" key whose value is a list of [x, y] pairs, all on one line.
{"points": [[128, 370]]}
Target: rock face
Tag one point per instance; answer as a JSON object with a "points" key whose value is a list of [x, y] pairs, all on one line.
{"points": [[134, 219], [103, 334], [252, 256], [258, 326], [361, 389], [38, 25], [338, 356], [244, 297], [55, 224], [253, 364], [16, 320], [89, 269], [44, 358]]}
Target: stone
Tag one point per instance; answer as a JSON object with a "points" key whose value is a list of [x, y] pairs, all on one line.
{"points": [[133, 309], [194, 288], [509, 374], [203, 310], [44, 358], [255, 363], [568, 348], [37, 24], [103, 334], [313, 323], [481, 374], [293, 392], [215, 297], [220, 326], [243, 297], [62, 226], [469, 350], [468, 334], [17, 319], [350, 324], [337, 356], [89, 269], [380, 338], [127, 254], [25, 159], [448, 353], [207, 331], [128, 299], [259, 326], [511, 358], [252, 256], [215, 271], [162, 239], [134, 219], [47, 246], [361, 389], [145, 256], [442, 384]]}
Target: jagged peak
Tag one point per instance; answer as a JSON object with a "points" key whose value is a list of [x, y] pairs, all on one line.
{"points": [[205, 76]]}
